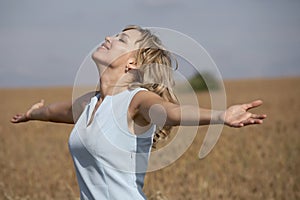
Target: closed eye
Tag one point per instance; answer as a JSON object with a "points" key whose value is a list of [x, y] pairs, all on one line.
{"points": [[121, 37]]}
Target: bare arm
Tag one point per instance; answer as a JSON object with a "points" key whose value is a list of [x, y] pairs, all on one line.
{"points": [[155, 110], [56, 112], [61, 112]]}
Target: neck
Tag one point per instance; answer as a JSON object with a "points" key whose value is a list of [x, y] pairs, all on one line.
{"points": [[113, 81]]}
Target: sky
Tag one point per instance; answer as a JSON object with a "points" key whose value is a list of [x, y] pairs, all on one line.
{"points": [[43, 43]]}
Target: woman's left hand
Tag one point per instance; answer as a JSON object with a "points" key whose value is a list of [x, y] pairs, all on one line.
{"points": [[238, 116]]}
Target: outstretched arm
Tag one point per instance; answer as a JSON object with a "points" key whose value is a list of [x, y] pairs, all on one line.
{"points": [[155, 110], [61, 112], [56, 112]]}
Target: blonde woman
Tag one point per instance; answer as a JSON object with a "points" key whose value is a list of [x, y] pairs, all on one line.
{"points": [[134, 108]]}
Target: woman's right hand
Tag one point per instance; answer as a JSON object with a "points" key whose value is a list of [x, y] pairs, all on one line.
{"points": [[24, 117]]}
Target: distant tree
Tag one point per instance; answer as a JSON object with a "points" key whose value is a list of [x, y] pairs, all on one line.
{"points": [[198, 83]]}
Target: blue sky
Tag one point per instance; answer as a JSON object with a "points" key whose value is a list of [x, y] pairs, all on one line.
{"points": [[43, 43]]}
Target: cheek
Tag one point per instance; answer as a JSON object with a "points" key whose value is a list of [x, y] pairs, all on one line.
{"points": [[118, 54], [119, 60]]}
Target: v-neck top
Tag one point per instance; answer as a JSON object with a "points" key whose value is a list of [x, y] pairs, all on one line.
{"points": [[110, 162]]}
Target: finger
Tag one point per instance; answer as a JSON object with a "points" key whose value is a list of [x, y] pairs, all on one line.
{"points": [[14, 118], [237, 125], [252, 122], [256, 116], [17, 118], [253, 104], [38, 104]]}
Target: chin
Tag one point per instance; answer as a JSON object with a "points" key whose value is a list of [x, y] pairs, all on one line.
{"points": [[98, 60], [94, 56]]}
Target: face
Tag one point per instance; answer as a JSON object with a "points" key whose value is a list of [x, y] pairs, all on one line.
{"points": [[117, 50]]}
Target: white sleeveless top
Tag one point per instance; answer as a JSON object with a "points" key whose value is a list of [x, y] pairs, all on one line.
{"points": [[110, 162]]}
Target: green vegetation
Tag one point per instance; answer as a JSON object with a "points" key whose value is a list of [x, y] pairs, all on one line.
{"points": [[198, 82]]}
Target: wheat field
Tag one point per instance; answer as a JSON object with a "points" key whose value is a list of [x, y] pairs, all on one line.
{"points": [[257, 162]]}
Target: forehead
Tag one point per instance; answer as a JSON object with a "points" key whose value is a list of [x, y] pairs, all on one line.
{"points": [[132, 34]]}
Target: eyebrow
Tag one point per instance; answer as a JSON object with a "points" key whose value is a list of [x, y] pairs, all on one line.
{"points": [[123, 34]]}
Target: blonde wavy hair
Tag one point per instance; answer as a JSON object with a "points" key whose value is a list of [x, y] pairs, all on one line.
{"points": [[155, 72]]}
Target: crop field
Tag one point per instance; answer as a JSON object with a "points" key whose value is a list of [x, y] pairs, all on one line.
{"points": [[255, 162]]}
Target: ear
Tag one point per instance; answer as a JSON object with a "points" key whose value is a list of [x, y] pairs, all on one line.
{"points": [[131, 64]]}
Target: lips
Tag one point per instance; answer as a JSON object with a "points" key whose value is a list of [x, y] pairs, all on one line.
{"points": [[105, 46]]}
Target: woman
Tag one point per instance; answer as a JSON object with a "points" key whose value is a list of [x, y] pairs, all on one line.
{"points": [[134, 108]]}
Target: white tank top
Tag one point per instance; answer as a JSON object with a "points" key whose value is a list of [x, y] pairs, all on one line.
{"points": [[110, 162]]}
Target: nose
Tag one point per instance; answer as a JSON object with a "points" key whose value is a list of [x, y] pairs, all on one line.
{"points": [[108, 39]]}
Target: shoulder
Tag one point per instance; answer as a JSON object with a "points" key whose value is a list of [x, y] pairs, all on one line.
{"points": [[145, 94], [143, 97]]}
